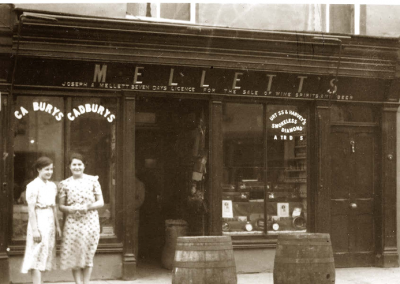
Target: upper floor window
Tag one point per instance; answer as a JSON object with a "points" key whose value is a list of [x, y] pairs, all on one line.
{"points": [[169, 12]]}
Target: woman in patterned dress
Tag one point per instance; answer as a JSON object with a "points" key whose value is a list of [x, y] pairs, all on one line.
{"points": [[40, 252], [80, 197]]}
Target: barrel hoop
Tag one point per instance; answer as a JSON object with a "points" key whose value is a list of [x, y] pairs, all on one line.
{"points": [[200, 248], [304, 260], [205, 264], [304, 243]]}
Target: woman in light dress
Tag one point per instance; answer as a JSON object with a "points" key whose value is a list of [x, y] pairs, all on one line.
{"points": [[80, 197], [40, 251]]}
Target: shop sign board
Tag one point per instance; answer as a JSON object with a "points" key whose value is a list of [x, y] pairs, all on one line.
{"points": [[197, 80]]}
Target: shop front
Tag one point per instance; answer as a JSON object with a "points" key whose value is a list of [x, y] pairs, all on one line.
{"points": [[243, 133]]}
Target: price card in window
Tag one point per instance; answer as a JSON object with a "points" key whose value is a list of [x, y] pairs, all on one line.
{"points": [[283, 209], [227, 210]]}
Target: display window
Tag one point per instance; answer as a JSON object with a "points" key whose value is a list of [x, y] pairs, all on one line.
{"points": [[56, 127], [265, 169]]}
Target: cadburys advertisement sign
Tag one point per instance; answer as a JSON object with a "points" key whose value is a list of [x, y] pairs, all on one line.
{"points": [[148, 78]]}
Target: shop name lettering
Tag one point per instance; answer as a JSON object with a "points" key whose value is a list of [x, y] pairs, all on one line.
{"points": [[58, 115], [299, 121], [100, 77]]}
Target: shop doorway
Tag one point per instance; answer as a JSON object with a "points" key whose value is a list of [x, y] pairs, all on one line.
{"points": [[354, 188], [170, 135]]}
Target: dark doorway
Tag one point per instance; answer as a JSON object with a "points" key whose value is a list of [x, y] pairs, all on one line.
{"points": [[165, 142]]}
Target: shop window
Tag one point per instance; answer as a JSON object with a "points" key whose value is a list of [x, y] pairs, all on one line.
{"points": [[56, 127], [264, 186], [286, 169], [244, 169]]}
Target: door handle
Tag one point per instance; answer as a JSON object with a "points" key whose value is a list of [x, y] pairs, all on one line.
{"points": [[352, 143], [4, 187], [353, 205]]}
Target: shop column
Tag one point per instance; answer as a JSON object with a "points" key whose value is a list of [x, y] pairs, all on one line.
{"points": [[129, 258], [389, 256]]}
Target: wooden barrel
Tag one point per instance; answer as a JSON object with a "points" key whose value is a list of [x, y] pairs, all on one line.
{"points": [[204, 260], [173, 229], [304, 258]]}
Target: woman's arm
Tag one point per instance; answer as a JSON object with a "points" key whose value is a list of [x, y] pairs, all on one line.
{"points": [[56, 221], [97, 204], [33, 221], [65, 208]]}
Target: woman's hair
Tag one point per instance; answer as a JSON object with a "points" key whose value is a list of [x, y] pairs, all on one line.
{"points": [[78, 157], [41, 163]]}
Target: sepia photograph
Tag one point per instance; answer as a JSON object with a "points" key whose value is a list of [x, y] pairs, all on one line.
{"points": [[202, 142]]}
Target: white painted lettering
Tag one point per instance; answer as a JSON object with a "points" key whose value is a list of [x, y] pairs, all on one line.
{"points": [[235, 80], [137, 74], [59, 116], [203, 77], [101, 109], [70, 117], [301, 83], [270, 77], [111, 118], [171, 77], [100, 74]]}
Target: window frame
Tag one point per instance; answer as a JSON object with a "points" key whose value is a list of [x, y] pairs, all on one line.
{"points": [[107, 244], [250, 241]]}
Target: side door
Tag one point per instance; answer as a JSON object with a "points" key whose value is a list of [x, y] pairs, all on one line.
{"points": [[354, 181]]}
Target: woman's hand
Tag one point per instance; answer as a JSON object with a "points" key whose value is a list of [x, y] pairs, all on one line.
{"points": [[83, 209], [72, 210], [37, 238]]}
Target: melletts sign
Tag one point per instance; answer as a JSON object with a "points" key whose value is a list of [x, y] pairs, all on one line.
{"points": [[200, 80]]}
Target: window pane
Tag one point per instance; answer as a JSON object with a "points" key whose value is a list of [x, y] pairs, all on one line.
{"points": [[243, 177], [175, 11], [138, 9], [286, 168], [93, 134], [38, 131]]}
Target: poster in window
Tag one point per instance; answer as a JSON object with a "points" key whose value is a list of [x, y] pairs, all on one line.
{"points": [[283, 209], [227, 211]]}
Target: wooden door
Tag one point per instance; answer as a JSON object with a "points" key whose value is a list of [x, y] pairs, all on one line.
{"points": [[353, 187]]}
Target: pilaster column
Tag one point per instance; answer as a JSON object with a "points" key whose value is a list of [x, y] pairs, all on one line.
{"points": [[128, 158]]}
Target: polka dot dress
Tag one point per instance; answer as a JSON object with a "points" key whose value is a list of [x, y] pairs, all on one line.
{"points": [[81, 232]]}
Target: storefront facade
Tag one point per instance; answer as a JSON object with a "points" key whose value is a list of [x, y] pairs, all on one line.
{"points": [[243, 133]]}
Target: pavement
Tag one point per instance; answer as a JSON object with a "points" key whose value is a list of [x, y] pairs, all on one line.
{"points": [[369, 275]]}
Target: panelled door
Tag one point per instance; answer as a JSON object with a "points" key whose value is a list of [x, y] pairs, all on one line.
{"points": [[353, 189]]}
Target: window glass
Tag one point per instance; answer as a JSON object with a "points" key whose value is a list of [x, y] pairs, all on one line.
{"points": [[171, 11], [175, 11], [93, 134], [244, 170], [286, 168], [38, 131], [56, 127]]}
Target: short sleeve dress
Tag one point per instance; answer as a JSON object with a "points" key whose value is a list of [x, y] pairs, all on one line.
{"points": [[41, 256], [81, 232]]}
